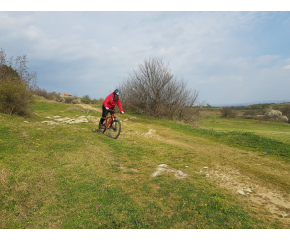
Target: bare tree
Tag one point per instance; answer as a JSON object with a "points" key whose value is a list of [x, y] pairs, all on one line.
{"points": [[153, 89]]}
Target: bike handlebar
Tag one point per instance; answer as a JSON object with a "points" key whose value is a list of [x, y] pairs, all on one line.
{"points": [[113, 111]]}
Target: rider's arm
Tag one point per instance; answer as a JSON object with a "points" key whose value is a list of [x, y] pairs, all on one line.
{"points": [[120, 106]]}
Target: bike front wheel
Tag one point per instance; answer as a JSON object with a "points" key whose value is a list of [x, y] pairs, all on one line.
{"points": [[115, 129]]}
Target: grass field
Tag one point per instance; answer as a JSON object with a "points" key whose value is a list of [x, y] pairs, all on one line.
{"points": [[60, 175]]}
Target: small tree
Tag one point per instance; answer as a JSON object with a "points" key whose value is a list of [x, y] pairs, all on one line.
{"points": [[16, 84], [154, 90]]}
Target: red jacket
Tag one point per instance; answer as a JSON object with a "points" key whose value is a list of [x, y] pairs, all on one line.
{"points": [[110, 103]]}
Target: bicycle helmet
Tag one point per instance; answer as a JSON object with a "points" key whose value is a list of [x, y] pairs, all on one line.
{"points": [[117, 92]]}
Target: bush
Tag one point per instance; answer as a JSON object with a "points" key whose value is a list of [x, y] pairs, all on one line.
{"points": [[286, 111], [283, 119], [274, 114], [86, 99], [16, 85], [15, 98], [250, 114]]}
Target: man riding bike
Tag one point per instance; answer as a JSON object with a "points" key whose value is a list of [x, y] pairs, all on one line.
{"points": [[109, 104]]}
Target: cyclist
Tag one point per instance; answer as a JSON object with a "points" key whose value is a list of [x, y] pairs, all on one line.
{"points": [[110, 103]]}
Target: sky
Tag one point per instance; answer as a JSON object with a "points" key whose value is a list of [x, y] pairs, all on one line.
{"points": [[230, 57]]}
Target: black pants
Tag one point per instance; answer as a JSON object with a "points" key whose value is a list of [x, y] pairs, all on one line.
{"points": [[105, 114]]}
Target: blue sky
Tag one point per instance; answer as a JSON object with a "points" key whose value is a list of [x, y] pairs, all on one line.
{"points": [[230, 57]]}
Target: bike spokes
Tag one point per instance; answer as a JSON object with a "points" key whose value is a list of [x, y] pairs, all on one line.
{"points": [[115, 129]]}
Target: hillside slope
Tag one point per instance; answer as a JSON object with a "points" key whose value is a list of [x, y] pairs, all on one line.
{"points": [[57, 173]]}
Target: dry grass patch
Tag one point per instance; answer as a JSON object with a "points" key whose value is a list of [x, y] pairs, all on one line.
{"points": [[4, 174]]}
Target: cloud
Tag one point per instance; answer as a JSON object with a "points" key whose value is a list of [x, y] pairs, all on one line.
{"points": [[266, 59], [213, 51]]}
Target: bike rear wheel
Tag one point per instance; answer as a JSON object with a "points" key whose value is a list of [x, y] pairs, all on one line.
{"points": [[115, 129]]}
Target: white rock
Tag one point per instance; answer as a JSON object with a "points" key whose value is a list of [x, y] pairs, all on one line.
{"points": [[249, 190], [163, 165], [241, 192], [81, 119], [49, 122], [164, 168]]}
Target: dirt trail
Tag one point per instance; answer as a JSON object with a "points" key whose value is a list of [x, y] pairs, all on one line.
{"points": [[274, 201], [229, 177]]}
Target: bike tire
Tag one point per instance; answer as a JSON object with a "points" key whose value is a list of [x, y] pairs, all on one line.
{"points": [[103, 130], [115, 129]]}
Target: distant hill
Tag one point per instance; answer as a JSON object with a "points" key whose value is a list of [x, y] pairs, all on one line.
{"points": [[252, 103]]}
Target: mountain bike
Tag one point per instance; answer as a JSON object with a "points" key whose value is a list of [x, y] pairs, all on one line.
{"points": [[112, 124]]}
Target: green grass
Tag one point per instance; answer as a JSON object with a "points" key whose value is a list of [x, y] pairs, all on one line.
{"points": [[240, 139], [49, 107], [276, 130], [65, 176]]}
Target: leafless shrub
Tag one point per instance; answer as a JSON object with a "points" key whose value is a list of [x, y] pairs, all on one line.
{"points": [[97, 101], [152, 89], [228, 112], [41, 92], [250, 113], [70, 99], [54, 96]]}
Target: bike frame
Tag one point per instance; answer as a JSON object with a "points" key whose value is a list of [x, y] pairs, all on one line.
{"points": [[111, 118], [114, 130]]}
